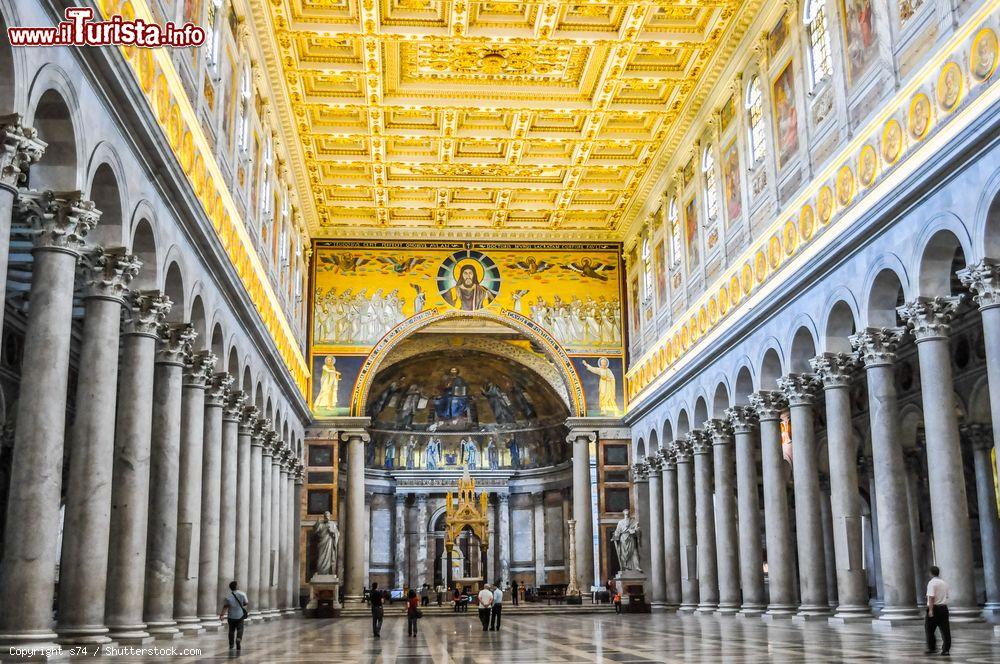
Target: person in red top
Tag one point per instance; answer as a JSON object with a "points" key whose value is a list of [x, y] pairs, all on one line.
{"points": [[412, 612]]}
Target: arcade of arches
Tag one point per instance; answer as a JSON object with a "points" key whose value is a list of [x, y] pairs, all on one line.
{"points": [[724, 272]]}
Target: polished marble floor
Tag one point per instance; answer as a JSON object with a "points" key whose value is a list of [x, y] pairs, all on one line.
{"points": [[583, 638]]}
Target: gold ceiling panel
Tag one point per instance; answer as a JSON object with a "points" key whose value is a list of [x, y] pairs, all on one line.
{"points": [[412, 118]]}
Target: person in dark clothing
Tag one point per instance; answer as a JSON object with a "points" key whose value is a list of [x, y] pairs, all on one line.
{"points": [[412, 613], [378, 611], [513, 592], [937, 614], [234, 609]]}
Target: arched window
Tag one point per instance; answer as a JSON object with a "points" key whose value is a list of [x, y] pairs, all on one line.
{"points": [[647, 269], [755, 119], [819, 41], [711, 184], [674, 223]]}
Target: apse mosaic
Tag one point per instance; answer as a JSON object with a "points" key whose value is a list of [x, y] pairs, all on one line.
{"points": [[464, 409], [361, 291]]}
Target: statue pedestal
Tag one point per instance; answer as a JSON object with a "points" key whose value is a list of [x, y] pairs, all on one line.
{"points": [[631, 585], [324, 596]]}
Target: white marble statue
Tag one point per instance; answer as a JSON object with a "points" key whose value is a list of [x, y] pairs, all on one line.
{"points": [[626, 540], [327, 540]]}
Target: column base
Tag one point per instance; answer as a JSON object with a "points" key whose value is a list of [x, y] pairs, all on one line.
{"points": [[751, 610], [658, 606], [811, 614], [779, 612], [210, 623], [189, 626], [287, 613], [991, 612], [130, 635], [727, 609], [845, 615], [996, 631], [895, 617], [687, 608], [163, 631], [708, 607], [354, 599], [94, 635], [965, 614]]}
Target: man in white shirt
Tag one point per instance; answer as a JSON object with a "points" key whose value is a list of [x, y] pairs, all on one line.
{"points": [[485, 606], [497, 606], [937, 614]]}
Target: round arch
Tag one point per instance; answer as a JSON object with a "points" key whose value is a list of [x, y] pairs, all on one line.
{"points": [[515, 321]]}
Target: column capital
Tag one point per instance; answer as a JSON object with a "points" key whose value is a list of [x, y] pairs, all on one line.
{"points": [[640, 471], [930, 317], [682, 451], [146, 312], [504, 498], [421, 500], [876, 346], [799, 388], [198, 368], [980, 435], [655, 462], [270, 441], [719, 431], [983, 279], [580, 435], [742, 418], [700, 442], [216, 387], [107, 272], [175, 339], [61, 219], [248, 418], [400, 499], [233, 408], [668, 460], [19, 149], [260, 426], [768, 404], [349, 434], [300, 474], [835, 370]]}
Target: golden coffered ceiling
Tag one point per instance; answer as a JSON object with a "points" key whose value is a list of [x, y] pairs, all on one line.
{"points": [[543, 120]]}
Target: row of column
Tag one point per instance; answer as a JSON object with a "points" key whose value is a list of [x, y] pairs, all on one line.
{"points": [[163, 455], [706, 533]]}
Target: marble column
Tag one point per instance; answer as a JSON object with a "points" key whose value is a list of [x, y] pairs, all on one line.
{"points": [[538, 523], [211, 482], [877, 349], [164, 459], [258, 427], [708, 575], [230, 468], [503, 526], [130, 469], [671, 530], [983, 279], [297, 562], [582, 505], [726, 542], [656, 559], [399, 541], [981, 437], [268, 449], [28, 568], [777, 530], [915, 482], [829, 553], [572, 590], [640, 511], [288, 561], [422, 540], [281, 588], [800, 392], [744, 421], [197, 372], [83, 570], [356, 580], [686, 526], [275, 567], [19, 149], [929, 318], [835, 370]]}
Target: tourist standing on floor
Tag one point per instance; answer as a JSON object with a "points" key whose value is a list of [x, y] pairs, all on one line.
{"points": [[496, 608], [378, 611], [485, 604], [425, 595], [513, 591], [412, 613], [937, 613], [234, 610]]}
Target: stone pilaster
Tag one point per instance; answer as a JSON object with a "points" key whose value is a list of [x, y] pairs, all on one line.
{"points": [[399, 541], [743, 420], [877, 349], [929, 318], [836, 370], [777, 530], [503, 525], [28, 568], [727, 547], [131, 468], [83, 571], [422, 540], [161, 539], [538, 522]]}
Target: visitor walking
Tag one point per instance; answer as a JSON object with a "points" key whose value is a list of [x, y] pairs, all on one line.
{"points": [[412, 612], [496, 608], [378, 611], [513, 591], [234, 609], [485, 604], [425, 595], [937, 614]]}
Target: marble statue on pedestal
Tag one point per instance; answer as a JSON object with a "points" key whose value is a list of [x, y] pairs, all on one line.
{"points": [[327, 535], [626, 540]]}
